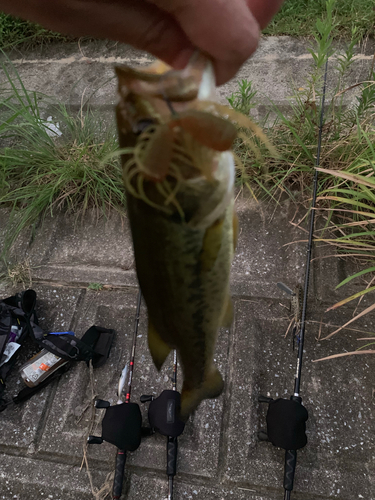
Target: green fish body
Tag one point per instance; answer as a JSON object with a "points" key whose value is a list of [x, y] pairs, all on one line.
{"points": [[184, 232]]}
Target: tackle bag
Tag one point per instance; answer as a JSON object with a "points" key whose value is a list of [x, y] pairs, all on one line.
{"points": [[18, 321]]}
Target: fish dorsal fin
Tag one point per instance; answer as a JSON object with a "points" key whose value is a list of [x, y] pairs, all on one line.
{"points": [[158, 348], [212, 241]]}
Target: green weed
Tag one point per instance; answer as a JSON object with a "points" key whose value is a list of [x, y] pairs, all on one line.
{"points": [[95, 286], [243, 100], [42, 171], [295, 133], [298, 17], [14, 31], [347, 173]]}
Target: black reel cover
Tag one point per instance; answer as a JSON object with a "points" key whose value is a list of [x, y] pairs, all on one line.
{"points": [[121, 426], [286, 424], [163, 414]]}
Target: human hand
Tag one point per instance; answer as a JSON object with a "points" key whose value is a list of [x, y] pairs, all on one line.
{"points": [[227, 30]]}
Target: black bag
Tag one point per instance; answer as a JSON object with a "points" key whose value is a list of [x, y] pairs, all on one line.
{"points": [[18, 320]]}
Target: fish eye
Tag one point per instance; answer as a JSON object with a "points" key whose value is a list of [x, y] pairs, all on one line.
{"points": [[141, 125]]}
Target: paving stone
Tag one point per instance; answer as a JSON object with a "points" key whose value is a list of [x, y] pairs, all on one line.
{"points": [[83, 73], [91, 241], [18, 251], [88, 251], [70, 413], [264, 255], [151, 486], [337, 394], [23, 478], [63, 436]]}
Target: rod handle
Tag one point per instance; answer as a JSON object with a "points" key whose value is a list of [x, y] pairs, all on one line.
{"points": [[119, 474], [290, 469], [171, 456]]}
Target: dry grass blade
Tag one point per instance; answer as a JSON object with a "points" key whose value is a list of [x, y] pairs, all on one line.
{"points": [[349, 299], [366, 311], [361, 298], [343, 354], [350, 177], [354, 86]]}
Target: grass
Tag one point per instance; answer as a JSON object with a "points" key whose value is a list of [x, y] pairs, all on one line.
{"points": [[95, 286], [42, 172], [347, 174], [18, 273], [348, 134], [298, 18], [14, 31]]}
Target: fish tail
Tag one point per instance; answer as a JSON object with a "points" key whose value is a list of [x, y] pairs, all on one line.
{"points": [[212, 387]]}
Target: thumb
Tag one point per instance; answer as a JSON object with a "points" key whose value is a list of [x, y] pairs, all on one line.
{"points": [[226, 30]]}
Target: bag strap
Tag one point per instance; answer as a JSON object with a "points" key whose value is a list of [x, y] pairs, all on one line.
{"points": [[95, 344]]}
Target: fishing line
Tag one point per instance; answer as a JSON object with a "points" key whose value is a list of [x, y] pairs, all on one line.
{"points": [[169, 104]]}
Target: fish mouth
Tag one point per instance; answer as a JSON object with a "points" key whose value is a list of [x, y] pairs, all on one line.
{"points": [[179, 140], [158, 80]]}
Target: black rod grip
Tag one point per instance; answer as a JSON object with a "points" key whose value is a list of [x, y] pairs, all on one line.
{"points": [[290, 469], [119, 474], [171, 456]]}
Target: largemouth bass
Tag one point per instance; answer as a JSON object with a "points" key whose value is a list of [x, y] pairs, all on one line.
{"points": [[179, 179]]}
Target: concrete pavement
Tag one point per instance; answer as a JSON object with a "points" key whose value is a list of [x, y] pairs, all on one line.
{"points": [[220, 456]]}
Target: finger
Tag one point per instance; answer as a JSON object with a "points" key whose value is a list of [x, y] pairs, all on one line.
{"points": [[134, 22], [264, 10], [226, 30]]}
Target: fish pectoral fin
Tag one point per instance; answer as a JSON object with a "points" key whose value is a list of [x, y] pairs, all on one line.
{"points": [[158, 348], [228, 315], [211, 244], [212, 387]]}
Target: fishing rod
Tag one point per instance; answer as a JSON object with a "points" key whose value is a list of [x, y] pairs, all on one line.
{"points": [[125, 384], [172, 441], [122, 422], [163, 415], [291, 455], [286, 419]]}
